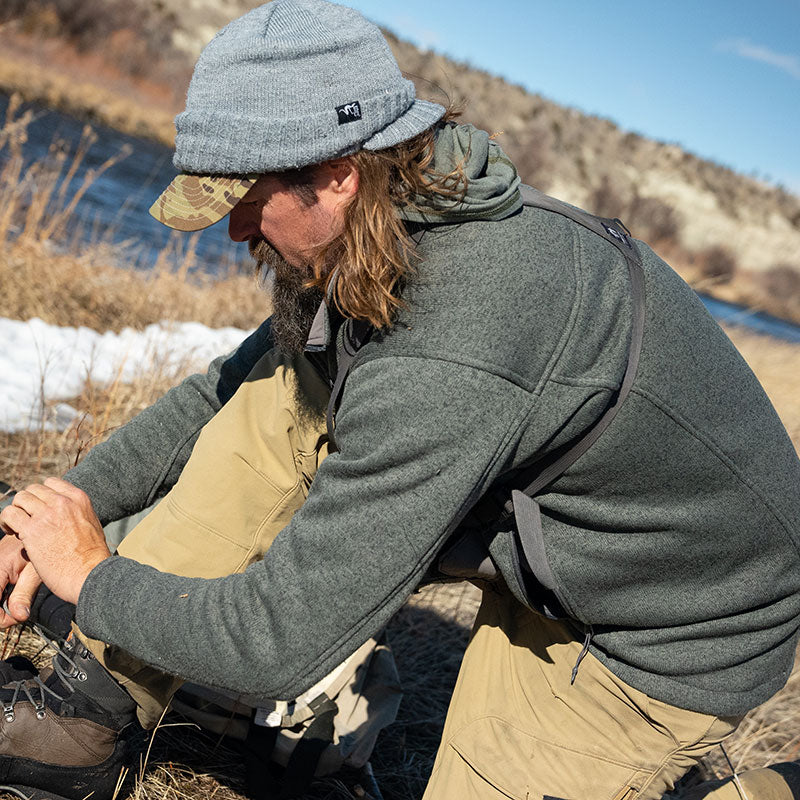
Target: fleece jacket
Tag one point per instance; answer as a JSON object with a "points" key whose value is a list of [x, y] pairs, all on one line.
{"points": [[674, 539]]}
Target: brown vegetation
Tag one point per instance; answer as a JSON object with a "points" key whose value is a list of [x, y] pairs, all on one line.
{"points": [[55, 76], [41, 277], [132, 39], [129, 65]]}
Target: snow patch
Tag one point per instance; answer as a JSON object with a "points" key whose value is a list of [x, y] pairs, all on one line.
{"points": [[41, 362]]}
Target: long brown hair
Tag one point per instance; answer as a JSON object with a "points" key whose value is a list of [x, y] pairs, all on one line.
{"points": [[374, 256]]}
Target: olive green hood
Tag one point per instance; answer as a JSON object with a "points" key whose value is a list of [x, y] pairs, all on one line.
{"points": [[492, 190]]}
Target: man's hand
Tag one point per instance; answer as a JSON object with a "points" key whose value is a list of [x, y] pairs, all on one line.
{"points": [[17, 570], [62, 537]]}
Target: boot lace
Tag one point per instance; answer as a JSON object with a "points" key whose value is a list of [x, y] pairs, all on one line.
{"points": [[25, 689]]}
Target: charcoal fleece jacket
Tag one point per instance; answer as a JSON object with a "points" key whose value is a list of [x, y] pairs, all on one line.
{"points": [[675, 538]]}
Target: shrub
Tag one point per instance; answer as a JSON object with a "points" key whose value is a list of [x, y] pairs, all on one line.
{"points": [[129, 36], [606, 200], [783, 282], [653, 219], [647, 217], [717, 264], [532, 153]]}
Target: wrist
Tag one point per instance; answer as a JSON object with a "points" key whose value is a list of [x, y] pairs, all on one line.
{"points": [[91, 560]]}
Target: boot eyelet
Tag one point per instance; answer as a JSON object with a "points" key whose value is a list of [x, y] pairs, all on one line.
{"points": [[9, 716], [41, 713], [81, 676]]}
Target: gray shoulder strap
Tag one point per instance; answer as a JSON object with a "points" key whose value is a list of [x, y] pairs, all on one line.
{"points": [[613, 231]]}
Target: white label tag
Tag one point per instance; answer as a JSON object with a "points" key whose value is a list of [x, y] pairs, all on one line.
{"points": [[267, 718]]}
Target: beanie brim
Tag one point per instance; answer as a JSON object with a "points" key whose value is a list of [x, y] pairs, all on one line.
{"points": [[193, 202], [420, 116]]}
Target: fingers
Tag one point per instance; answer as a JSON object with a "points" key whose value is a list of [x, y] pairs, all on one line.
{"points": [[29, 500], [32, 498], [11, 518], [21, 599], [54, 490], [12, 564], [54, 495], [6, 620]]}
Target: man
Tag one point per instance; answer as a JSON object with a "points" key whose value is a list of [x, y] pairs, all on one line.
{"points": [[500, 334]]}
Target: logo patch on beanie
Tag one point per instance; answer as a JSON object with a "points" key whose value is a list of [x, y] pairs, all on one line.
{"points": [[349, 112]]}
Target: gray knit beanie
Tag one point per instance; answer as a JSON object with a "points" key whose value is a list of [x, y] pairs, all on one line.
{"points": [[292, 83]]}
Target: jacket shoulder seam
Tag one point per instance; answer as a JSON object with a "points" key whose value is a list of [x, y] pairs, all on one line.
{"points": [[509, 376]]}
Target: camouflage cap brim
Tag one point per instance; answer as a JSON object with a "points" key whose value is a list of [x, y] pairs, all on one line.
{"points": [[193, 202]]}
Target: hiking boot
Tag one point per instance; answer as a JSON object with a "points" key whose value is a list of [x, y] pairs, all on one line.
{"points": [[69, 731], [29, 794]]}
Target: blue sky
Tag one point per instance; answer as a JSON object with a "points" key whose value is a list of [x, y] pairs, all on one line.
{"points": [[721, 78]]}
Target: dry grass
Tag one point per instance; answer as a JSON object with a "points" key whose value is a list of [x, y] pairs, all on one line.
{"points": [[691, 205], [777, 365], [43, 277], [54, 76], [91, 290]]}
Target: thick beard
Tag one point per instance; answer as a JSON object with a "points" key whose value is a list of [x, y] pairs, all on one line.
{"points": [[294, 305]]}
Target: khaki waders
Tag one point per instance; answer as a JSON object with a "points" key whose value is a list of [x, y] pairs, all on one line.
{"points": [[516, 727]]}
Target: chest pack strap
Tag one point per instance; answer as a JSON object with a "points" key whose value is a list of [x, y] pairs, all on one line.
{"points": [[355, 335], [466, 554], [614, 232]]}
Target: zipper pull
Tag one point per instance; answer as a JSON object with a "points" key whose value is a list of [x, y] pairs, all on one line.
{"points": [[584, 650]]}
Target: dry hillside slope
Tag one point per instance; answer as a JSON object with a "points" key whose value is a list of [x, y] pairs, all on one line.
{"points": [[728, 233], [582, 159]]}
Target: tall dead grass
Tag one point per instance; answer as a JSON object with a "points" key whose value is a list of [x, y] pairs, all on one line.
{"points": [[118, 62], [43, 276]]}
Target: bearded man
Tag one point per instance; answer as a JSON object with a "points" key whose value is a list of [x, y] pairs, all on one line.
{"points": [[657, 597]]}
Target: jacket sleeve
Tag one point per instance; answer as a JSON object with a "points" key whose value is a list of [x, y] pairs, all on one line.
{"points": [[416, 450], [142, 460]]}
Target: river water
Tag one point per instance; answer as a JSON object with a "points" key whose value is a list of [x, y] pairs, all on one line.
{"points": [[115, 207]]}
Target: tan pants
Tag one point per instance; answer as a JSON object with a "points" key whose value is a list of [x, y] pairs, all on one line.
{"points": [[516, 727], [248, 473]]}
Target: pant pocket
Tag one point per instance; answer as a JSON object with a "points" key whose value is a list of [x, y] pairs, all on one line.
{"points": [[525, 767]]}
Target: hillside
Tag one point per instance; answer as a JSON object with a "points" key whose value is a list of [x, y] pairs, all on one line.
{"points": [[728, 234]]}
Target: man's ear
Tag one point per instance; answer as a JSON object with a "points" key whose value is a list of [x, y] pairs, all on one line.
{"points": [[341, 177]]}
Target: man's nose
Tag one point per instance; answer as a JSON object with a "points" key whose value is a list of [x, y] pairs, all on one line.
{"points": [[240, 227]]}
